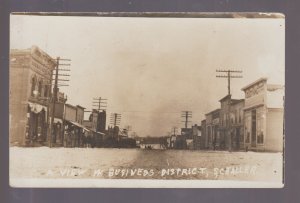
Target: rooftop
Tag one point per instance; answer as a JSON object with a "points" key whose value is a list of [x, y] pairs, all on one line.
{"points": [[226, 97], [214, 111], [80, 107], [236, 101], [273, 87], [255, 82]]}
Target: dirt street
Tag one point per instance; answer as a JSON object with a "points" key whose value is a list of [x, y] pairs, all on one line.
{"points": [[144, 164]]}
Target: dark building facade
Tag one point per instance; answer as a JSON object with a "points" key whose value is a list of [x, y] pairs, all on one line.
{"points": [[197, 137], [101, 123], [231, 123], [203, 134]]}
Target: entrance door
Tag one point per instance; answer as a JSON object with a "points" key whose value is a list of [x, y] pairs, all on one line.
{"points": [[253, 128], [237, 138]]}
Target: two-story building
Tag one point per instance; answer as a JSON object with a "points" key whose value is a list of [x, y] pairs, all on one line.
{"points": [[231, 123], [213, 139], [97, 124], [30, 79], [237, 124]]}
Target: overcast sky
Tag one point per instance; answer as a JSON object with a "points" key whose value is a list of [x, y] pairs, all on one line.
{"points": [[151, 69]]}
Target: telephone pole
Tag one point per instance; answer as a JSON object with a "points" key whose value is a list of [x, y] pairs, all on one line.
{"points": [[186, 115], [229, 76], [115, 119], [56, 73], [174, 129], [99, 103]]}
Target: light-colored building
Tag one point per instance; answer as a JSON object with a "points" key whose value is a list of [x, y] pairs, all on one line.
{"points": [[29, 95], [263, 116], [58, 130], [79, 114], [70, 113]]}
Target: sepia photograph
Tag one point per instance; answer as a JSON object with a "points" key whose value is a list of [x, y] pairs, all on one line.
{"points": [[146, 100]]}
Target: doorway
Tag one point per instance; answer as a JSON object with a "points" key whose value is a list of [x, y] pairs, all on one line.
{"points": [[253, 128]]}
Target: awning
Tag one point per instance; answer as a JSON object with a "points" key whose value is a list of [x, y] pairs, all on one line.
{"points": [[58, 120], [78, 125], [100, 133], [37, 108]]}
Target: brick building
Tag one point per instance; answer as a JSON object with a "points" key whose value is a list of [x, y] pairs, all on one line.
{"points": [[29, 95]]}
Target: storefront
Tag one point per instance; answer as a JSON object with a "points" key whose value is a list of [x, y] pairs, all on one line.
{"points": [[263, 116], [214, 138], [74, 134], [36, 127]]}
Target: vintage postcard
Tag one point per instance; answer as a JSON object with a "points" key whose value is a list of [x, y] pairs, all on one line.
{"points": [[163, 100]]}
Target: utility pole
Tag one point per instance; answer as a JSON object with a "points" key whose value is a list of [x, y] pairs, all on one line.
{"points": [[115, 119], [186, 115], [229, 76], [99, 103], [174, 129], [56, 79]]}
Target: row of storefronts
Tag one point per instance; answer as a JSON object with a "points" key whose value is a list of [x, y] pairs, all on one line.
{"points": [[255, 122], [31, 104]]}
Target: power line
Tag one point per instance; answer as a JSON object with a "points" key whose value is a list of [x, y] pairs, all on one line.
{"points": [[56, 80], [99, 103], [186, 115], [115, 119], [229, 76]]}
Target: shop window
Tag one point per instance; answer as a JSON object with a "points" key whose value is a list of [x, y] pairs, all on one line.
{"points": [[260, 134], [242, 135], [40, 88], [260, 137], [209, 133], [247, 130], [33, 84], [247, 137], [235, 117], [46, 91]]}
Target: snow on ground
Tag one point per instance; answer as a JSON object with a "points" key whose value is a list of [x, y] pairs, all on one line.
{"points": [[44, 162]]}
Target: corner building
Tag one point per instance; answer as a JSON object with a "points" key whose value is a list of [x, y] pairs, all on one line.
{"points": [[29, 95]]}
